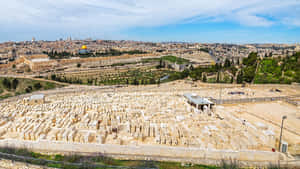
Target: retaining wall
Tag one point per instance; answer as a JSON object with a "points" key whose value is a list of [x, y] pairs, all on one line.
{"points": [[149, 152]]}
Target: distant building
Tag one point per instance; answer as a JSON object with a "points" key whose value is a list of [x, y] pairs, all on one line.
{"points": [[176, 66], [38, 62], [83, 50], [12, 54], [297, 47], [180, 67]]}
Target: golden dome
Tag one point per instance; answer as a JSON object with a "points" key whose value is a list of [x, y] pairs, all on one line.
{"points": [[83, 47]]}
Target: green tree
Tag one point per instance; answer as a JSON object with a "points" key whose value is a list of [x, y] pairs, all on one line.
{"points": [[218, 77], [152, 81], [249, 73], [204, 79], [239, 79], [37, 86], [161, 63], [15, 83], [78, 65], [218, 66], [28, 89], [6, 83], [185, 73], [227, 63], [233, 70], [250, 60], [135, 81], [192, 68], [53, 77], [297, 77]]}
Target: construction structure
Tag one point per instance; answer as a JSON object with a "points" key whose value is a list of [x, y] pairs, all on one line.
{"points": [[200, 103], [34, 99]]}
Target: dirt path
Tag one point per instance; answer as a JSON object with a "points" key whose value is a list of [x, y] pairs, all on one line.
{"points": [[33, 78]]}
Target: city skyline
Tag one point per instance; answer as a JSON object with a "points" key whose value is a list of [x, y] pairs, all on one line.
{"points": [[227, 21]]}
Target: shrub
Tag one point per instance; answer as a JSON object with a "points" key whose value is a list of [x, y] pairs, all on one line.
{"points": [[58, 157], [37, 86], [6, 83], [15, 83], [28, 89]]}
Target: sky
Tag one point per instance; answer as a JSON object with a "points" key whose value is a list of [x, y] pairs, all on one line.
{"points": [[207, 21]]}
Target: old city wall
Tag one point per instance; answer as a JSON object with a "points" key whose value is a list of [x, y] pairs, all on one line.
{"points": [[49, 64], [95, 59], [37, 56], [43, 65]]}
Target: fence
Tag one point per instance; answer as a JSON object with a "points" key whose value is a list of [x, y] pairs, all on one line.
{"points": [[288, 99]]}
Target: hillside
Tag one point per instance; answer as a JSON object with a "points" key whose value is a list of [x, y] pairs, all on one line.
{"points": [[286, 70], [16, 86], [252, 70]]}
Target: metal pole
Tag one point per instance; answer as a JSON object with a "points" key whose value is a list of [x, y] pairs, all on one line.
{"points": [[220, 95], [284, 117]]}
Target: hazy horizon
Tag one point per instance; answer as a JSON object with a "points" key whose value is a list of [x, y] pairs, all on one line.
{"points": [[148, 41], [214, 21]]}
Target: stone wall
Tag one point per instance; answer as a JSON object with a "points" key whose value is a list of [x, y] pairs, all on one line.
{"points": [[148, 152]]}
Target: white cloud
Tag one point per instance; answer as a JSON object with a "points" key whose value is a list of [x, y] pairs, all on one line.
{"points": [[291, 21], [108, 15]]}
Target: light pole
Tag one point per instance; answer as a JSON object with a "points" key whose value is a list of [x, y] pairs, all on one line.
{"points": [[283, 118], [220, 95]]}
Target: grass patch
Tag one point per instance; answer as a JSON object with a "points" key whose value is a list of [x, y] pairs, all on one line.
{"points": [[175, 59], [16, 86], [147, 60], [102, 161], [91, 162], [130, 77]]}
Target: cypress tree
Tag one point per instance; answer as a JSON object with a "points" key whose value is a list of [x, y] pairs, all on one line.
{"points": [[204, 79], [240, 78], [15, 83]]}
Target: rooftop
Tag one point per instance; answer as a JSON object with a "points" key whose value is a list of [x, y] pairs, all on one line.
{"points": [[37, 97], [40, 60], [197, 99]]}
